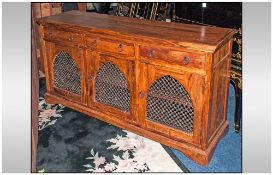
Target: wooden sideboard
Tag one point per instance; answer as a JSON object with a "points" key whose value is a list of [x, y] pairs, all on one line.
{"points": [[164, 81]]}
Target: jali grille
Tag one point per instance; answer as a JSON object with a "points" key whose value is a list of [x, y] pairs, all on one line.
{"points": [[66, 74], [112, 88], [169, 103]]}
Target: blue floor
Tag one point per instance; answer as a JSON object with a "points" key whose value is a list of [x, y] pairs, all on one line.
{"points": [[227, 156]]}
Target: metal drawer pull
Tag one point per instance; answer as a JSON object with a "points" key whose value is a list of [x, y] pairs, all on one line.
{"points": [[152, 53], [120, 47], [186, 60], [70, 38]]}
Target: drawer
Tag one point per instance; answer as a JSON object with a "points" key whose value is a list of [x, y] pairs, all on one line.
{"points": [[151, 54], [109, 45], [63, 37]]}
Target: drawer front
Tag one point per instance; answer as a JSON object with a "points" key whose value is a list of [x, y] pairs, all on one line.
{"points": [[152, 54], [63, 37], [109, 45]]}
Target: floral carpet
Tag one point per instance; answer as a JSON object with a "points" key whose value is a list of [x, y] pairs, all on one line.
{"points": [[69, 141]]}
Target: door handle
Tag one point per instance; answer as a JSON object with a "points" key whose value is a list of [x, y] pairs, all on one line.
{"points": [[120, 47]]}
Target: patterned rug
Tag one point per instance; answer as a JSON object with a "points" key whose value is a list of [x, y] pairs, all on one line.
{"points": [[70, 141]]}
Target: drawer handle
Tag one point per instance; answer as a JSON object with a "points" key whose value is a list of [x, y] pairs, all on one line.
{"points": [[70, 38], [186, 60], [152, 53], [120, 47]]}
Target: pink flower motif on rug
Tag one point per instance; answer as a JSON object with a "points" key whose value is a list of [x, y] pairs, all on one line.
{"points": [[110, 167], [124, 144], [126, 165], [99, 160], [48, 113], [99, 170], [129, 145]]}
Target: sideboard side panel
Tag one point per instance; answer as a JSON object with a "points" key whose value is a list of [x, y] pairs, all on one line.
{"points": [[46, 50], [219, 90]]}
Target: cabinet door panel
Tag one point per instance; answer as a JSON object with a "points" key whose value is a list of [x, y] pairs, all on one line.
{"points": [[171, 103], [112, 86], [66, 71]]}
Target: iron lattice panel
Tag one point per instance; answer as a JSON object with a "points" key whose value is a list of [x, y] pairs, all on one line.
{"points": [[112, 88], [66, 74], [169, 103]]}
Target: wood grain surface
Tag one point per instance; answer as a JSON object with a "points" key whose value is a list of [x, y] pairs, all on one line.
{"points": [[182, 34]]}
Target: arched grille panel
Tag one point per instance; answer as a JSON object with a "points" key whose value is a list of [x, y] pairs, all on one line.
{"points": [[169, 103], [66, 74], [112, 88]]}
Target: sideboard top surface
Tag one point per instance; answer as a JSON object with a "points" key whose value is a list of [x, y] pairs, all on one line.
{"points": [[187, 35]]}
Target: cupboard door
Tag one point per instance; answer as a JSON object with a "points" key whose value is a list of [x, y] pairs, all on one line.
{"points": [[112, 88], [171, 103], [66, 71]]}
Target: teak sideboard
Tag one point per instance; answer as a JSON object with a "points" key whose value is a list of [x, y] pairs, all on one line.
{"points": [[164, 81]]}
